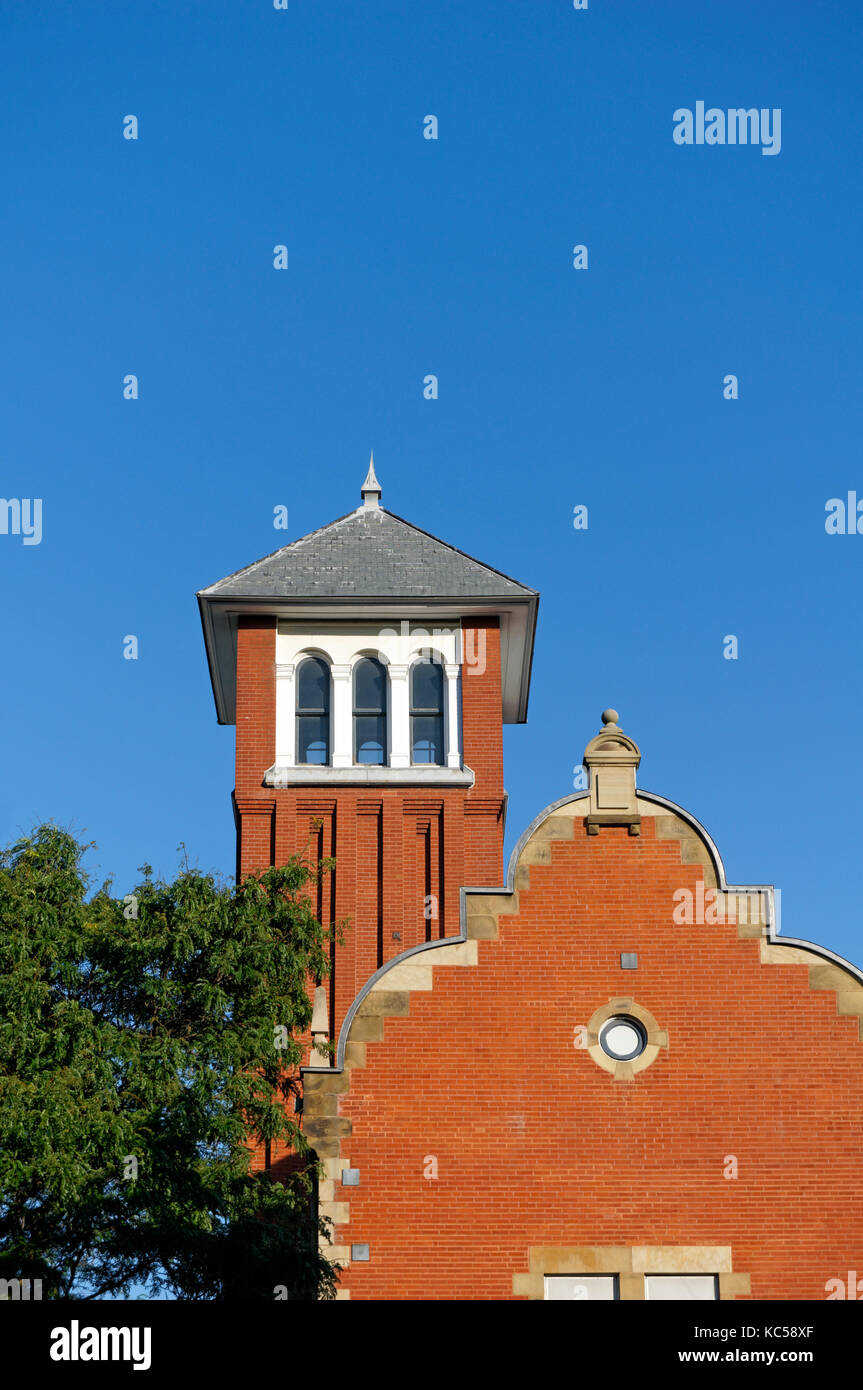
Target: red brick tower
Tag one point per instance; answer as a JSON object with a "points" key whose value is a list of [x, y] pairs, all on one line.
{"points": [[369, 668]]}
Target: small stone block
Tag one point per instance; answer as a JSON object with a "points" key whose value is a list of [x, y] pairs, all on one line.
{"points": [[482, 929], [350, 1177], [629, 960], [359, 1253], [367, 1028]]}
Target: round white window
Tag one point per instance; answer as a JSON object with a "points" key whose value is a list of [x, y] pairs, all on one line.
{"points": [[622, 1038]]}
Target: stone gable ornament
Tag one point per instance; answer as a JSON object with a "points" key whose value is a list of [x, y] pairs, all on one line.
{"points": [[611, 759]]}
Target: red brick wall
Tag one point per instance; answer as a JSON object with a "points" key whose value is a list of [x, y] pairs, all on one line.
{"points": [[256, 740], [536, 1145]]}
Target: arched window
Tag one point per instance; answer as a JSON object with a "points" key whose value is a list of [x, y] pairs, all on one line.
{"points": [[313, 712], [427, 713], [370, 713]]}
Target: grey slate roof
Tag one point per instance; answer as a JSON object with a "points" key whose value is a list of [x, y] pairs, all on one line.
{"points": [[370, 553]]}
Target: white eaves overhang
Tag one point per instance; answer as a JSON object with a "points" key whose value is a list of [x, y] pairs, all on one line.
{"points": [[517, 629]]}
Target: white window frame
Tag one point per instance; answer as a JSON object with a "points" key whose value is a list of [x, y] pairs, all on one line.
{"points": [[579, 1287], [342, 645], [666, 1281]]}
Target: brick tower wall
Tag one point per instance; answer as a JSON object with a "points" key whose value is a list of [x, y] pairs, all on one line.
{"points": [[402, 853]]}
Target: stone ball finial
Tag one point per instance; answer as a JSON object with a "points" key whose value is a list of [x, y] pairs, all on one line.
{"points": [[610, 716]]}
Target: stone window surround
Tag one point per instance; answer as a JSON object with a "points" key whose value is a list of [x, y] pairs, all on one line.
{"points": [[342, 646], [657, 1038], [630, 1264]]}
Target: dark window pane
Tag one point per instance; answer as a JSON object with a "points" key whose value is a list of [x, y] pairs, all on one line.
{"points": [[427, 686], [370, 733], [313, 687], [427, 739], [313, 738], [370, 687]]}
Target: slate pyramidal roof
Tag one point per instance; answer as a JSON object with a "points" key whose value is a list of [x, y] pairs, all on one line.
{"points": [[370, 553], [370, 564]]}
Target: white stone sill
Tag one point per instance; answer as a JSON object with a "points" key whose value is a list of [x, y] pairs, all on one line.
{"points": [[421, 776]]}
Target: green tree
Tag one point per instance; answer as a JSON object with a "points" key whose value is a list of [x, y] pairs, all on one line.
{"points": [[145, 1042]]}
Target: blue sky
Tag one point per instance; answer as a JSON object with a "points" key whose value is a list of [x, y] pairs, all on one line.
{"points": [[557, 387]]}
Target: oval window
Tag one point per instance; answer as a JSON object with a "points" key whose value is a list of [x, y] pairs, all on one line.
{"points": [[622, 1038]]}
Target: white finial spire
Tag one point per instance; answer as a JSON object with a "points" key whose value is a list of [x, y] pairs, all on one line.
{"points": [[371, 488]]}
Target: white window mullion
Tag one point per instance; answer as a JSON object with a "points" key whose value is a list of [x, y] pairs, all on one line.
{"points": [[453, 752], [399, 717], [342, 717], [286, 722]]}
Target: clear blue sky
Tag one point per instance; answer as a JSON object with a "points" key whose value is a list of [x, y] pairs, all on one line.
{"points": [[454, 257]]}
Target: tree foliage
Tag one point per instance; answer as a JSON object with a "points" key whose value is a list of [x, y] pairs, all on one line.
{"points": [[145, 1043]]}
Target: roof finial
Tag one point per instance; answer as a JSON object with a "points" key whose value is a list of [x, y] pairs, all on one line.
{"points": [[371, 488]]}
